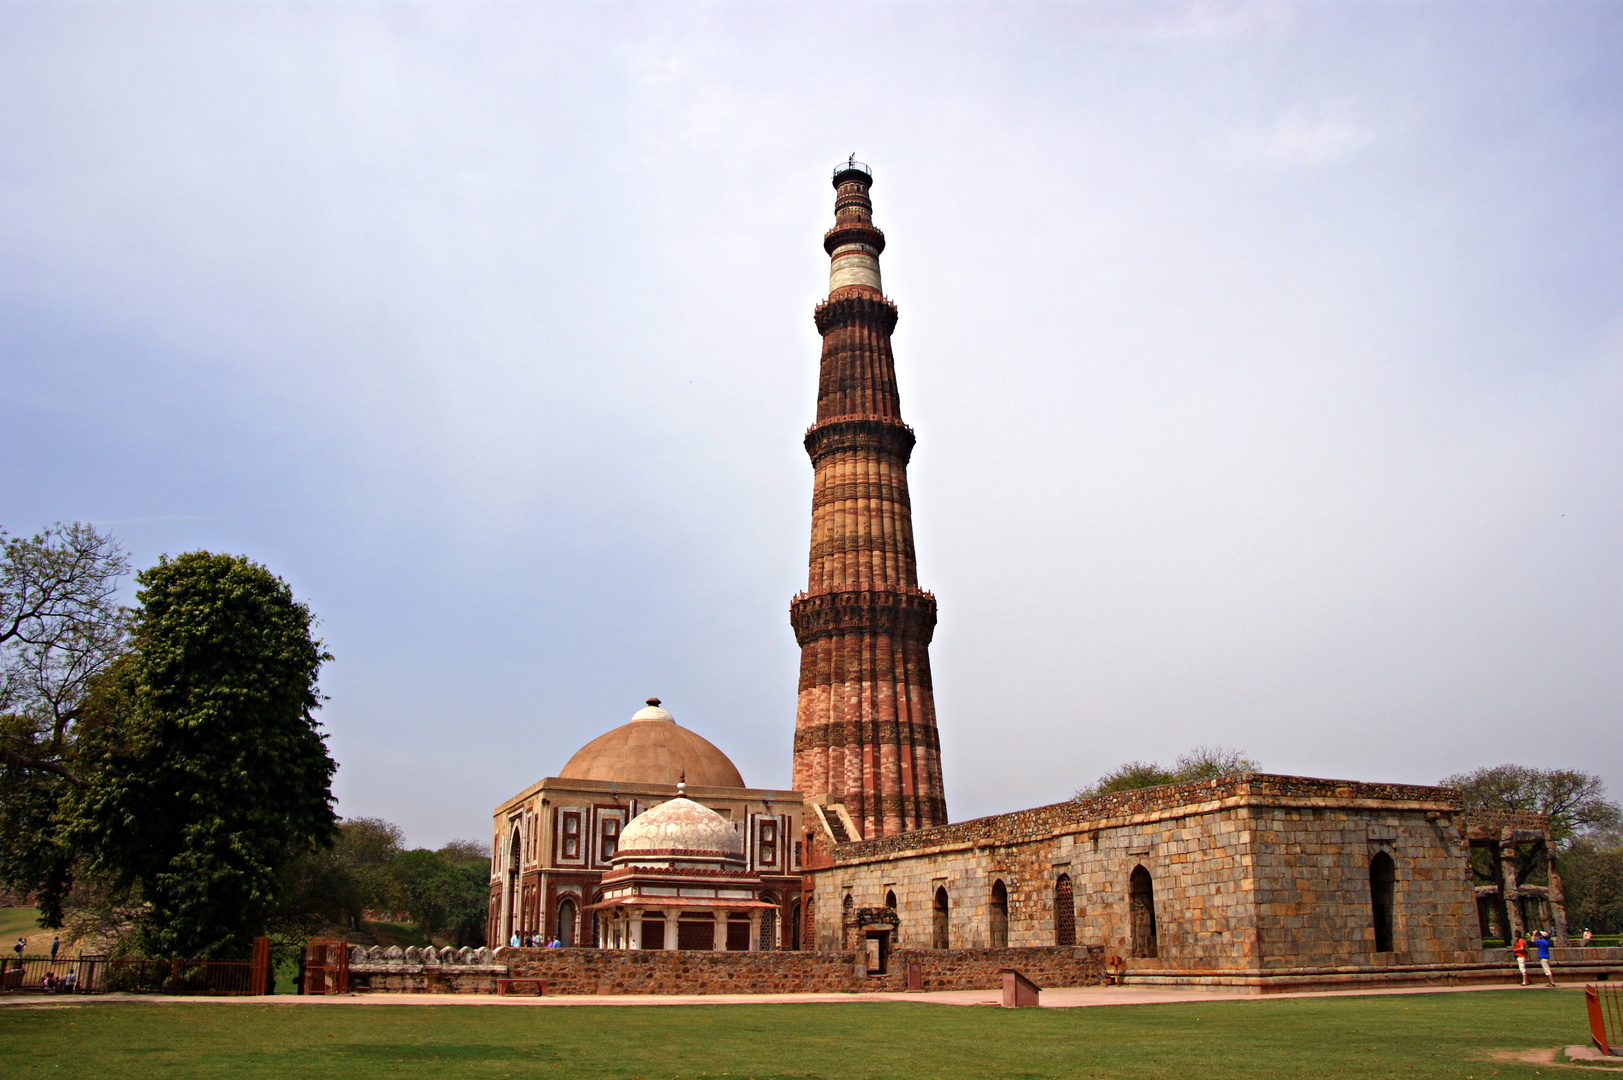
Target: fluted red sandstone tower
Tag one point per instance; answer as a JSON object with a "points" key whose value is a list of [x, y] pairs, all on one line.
{"points": [[865, 731]]}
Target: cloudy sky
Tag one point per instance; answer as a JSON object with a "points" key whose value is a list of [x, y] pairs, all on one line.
{"points": [[1265, 361]]}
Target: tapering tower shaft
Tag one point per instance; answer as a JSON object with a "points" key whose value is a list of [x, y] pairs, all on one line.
{"points": [[865, 730]]}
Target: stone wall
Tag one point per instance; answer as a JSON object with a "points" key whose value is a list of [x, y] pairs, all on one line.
{"points": [[1249, 873], [611, 971]]}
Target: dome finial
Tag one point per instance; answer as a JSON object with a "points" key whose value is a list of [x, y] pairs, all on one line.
{"points": [[682, 783], [654, 701]]}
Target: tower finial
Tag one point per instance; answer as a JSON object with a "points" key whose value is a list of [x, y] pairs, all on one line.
{"points": [[682, 782]]}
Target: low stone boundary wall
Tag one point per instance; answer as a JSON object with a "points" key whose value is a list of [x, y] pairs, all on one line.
{"points": [[423, 971], [613, 971], [981, 969]]}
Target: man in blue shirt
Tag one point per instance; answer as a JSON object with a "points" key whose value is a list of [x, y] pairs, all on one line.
{"points": [[1541, 942]]}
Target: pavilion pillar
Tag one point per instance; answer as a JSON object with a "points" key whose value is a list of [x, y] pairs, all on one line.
{"points": [[720, 942], [755, 929], [670, 933]]}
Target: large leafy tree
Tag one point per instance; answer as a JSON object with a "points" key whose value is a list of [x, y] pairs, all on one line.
{"points": [[201, 772], [446, 890], [1574, 801], [61, 628]]}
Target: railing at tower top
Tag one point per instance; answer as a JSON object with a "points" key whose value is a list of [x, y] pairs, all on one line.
{"points": [[853, 165]]}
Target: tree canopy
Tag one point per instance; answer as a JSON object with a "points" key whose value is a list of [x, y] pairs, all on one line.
{"points": [[1575, 802], [1201, 763], [164, 764]]}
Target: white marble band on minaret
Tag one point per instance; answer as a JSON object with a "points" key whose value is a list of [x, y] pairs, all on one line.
{"points": [[853, 245]]}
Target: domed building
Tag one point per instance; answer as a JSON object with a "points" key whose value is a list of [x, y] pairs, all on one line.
{"points": [[634, 821], [680, 882]]}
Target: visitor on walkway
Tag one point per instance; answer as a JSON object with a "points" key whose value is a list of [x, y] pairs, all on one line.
{"points": [[514, 940], [56, 943], [1519, 951], [1541, 942], [1588, 937], [555, 944], [18, 948]]}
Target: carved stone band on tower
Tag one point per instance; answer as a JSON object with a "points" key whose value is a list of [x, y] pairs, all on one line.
{"points": [[865, 730]]}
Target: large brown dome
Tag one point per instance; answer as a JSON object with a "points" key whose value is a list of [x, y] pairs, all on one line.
{"points": [[652, 749]]}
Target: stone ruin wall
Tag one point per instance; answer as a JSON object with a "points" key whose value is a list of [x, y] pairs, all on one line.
{"points": [[1250, 872], [612, 971]]}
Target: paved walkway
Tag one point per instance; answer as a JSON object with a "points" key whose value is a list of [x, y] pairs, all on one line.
{"points": [[1067, 998]]}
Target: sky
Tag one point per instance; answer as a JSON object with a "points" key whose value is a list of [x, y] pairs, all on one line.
{"points": [[1266, 362]]}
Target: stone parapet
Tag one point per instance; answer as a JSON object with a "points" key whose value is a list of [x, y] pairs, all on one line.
{"points": [[1167, 800]]}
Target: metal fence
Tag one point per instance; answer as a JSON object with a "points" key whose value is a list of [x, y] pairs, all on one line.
{"points": [[104, 975], [1605, 1004]]}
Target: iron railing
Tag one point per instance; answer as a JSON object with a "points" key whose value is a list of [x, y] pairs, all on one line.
{"points": [[91, 974], [853, 165], [1605, 1005]]}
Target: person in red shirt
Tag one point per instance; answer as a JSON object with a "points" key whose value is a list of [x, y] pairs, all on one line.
{"points": [[1520, 951]]}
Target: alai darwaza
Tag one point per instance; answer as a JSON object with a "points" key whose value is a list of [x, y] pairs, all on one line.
{"points": [[648, 838]]}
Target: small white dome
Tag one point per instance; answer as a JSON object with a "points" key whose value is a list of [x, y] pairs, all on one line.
{"points": [[680, 829], [653, 712]]}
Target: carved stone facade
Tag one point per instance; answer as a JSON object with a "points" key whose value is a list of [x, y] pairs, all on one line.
{"points": [[865, 729]]}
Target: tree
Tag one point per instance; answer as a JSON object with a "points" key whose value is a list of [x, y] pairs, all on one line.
{"points": [[1201, 763], [445, 895], [1575, 802], [204, 773], [60, 630]]}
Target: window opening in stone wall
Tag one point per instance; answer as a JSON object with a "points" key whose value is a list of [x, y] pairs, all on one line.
{"points": [[566, 922], [1141, 912], [1383, 882], [696, 932], [738, 932], [939, 919], [1064, 912], [571, 836], [653, 933], [794, 924], [890, 899], [848, 927], [999, 912], [611, 838], [769, 843]]}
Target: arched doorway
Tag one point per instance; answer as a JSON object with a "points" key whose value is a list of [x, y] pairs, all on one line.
{"points": [[515, 855], [999, 911], [566, 922], [1383, 885], [939, 913], [794, 924], [1064, 912], [1141, 912], [769, 924]]}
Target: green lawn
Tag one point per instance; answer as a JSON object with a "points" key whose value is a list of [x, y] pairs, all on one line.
{"points": [[1411, 1036], [17, 922]]}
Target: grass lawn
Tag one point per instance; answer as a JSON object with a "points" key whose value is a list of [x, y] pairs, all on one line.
{"points": [[1410, 1036], [16, 922]]}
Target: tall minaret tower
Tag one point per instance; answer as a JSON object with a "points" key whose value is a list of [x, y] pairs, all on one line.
{"points": [[865, 731]]}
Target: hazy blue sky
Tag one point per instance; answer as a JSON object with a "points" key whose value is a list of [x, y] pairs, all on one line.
{"points": [[1265, 362]]}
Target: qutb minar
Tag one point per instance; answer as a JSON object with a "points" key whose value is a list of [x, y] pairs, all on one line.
{"points": [[865, 729]]}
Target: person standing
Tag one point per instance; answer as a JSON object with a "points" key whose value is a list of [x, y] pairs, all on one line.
{"points": [[1588, 937], [1519, 951], [1541, 941], [56, 943]]}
